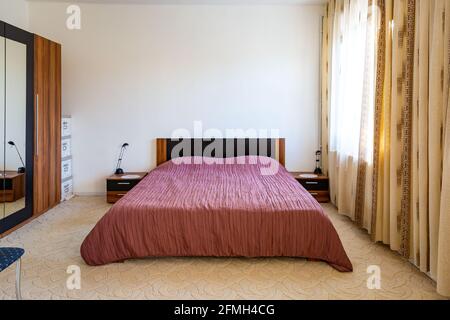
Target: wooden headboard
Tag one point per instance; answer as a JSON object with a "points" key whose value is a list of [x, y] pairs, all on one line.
{"points": [[274, 148]]}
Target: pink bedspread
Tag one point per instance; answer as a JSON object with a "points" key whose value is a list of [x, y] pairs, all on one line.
{"points": [[219, 210]]}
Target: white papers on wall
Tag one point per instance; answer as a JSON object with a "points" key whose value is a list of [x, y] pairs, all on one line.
{"points": [[66, 156]]}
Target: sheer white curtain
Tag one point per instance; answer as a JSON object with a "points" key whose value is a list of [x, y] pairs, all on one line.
{"points": [[351, 108], [348, 57]]}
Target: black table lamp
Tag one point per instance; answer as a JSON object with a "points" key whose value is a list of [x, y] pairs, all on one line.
{"points": [[21, 169], [119, 161], [318, 170]]}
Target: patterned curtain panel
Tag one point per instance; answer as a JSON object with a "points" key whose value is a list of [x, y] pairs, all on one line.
{"points": [[381, 227], [393, 125], [432, 245], [429, 111], [443, 270], [409, 177], [411, 106]]}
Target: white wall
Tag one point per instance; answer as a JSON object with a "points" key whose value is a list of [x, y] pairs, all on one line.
{"points": [[14, 12], [137, 72]]}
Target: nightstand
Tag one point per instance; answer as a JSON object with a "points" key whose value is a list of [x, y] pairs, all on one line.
{"points": [[13, 186], [118, 185], [317, 187]]}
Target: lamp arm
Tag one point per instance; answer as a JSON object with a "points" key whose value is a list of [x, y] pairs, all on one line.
{"points": [[119, 161], [20, 157]]}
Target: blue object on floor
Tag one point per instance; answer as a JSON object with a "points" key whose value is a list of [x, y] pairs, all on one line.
{"points": [[7, 257]]}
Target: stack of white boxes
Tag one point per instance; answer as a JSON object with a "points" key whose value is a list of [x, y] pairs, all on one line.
{"points": [[66, 156]]}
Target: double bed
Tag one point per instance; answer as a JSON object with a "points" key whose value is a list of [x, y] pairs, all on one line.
{"points": [[216, 207]]}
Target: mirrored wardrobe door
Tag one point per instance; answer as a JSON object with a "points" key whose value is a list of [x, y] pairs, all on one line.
{"points": [[15, 126], [2, 122]]}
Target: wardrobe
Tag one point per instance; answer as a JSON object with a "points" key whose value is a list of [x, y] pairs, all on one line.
{"points": [[30, 126]]}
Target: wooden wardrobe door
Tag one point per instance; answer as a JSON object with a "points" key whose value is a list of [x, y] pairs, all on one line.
{"points": [[47, 95], [41, 158]]}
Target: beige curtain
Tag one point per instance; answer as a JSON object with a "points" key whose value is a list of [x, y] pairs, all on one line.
{"points": [[393, 121], [411, 105], [409, 190], [430, 110], [382, 129], [443, 265], [440, 98]]}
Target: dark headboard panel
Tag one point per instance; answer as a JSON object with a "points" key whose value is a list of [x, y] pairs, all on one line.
{"points": [[169, 148]]}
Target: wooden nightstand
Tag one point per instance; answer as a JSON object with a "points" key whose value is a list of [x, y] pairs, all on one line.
{"points": [[118, 185], [317, 187], [13, 186]]}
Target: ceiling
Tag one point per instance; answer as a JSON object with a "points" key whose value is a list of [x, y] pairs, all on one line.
{"points": [[195, 1]]}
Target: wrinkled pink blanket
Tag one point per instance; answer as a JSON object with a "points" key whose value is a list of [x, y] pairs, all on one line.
{"points": [[217, 210]]}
